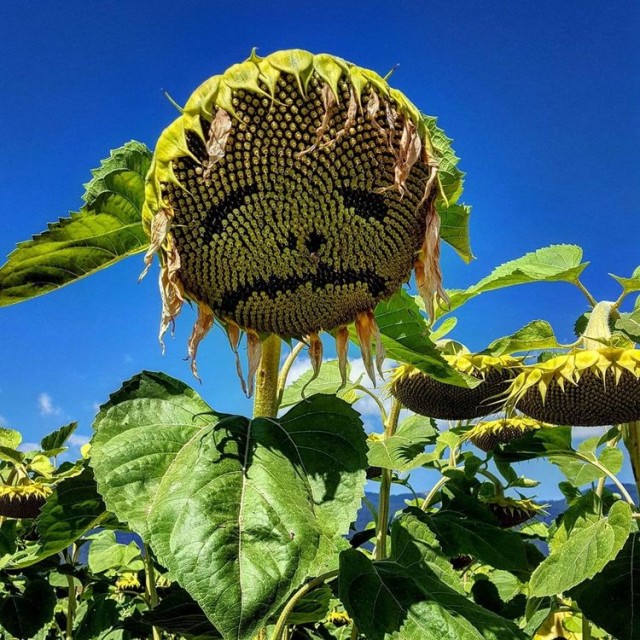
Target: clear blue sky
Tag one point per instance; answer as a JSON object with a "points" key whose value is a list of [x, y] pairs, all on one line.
{"points": [[542, 99]]}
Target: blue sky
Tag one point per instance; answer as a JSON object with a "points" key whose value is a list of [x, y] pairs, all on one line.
{"points": [[541, 98]]}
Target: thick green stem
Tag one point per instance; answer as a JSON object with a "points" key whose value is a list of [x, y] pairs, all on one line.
{"points": [[631, 439], [598, 326], [71, 607], [151, 593], [281, 624], [586, 628], [385, 486], [265, 404], [434, 490]]}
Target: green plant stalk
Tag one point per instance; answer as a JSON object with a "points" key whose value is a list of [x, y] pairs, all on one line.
{"points": [[586, 628], [598, 326], [631, 439], [71, 607], [151, 592], [286, 367], [300, 593], [385, 486], [592, 301], [375, 398], [265, 404], [431, 495]]}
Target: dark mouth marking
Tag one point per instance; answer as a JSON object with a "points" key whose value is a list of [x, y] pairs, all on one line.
{"points": [[366, 204], [314, 242], [325, 275], [216, 214]]}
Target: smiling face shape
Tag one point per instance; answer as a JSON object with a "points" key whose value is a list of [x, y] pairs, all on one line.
{"points": [[290, 232]]}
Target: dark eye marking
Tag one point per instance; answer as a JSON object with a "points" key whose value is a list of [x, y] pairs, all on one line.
{"points": [[216, 214], [365, 204]]}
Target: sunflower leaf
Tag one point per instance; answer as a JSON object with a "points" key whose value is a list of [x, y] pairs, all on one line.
{"points": [[261, 504], [629, 324], [535, 335], [560, 262], [387, 598], [405, 336], [586, 552], [107, 229], [454, 228]]}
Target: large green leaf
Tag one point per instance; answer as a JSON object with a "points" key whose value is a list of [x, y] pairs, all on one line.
{"points": [[387, 598], [106, 553], [535, 335], [328, 380], [405, 335], [459, 535], [24, 614], [106, 229], [580, 472], [240, 511], [402, 450], [560, 262], [586, 552], [9, 438], [610, 599]]}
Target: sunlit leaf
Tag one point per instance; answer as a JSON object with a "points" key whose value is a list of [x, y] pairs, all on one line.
{"points": [[610, 599], [561, 262], [107, 229], [9, 438], [59, 437], [581, 472], [584, 554], [327, 381], [454, 229], [629, 285], [535, 335], [629, 324], [106, 553], [258, 504], [402, 450]]}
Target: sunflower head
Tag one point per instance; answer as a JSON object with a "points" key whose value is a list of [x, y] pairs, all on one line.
{"points": [[339, 618], [488, 435], [583, 388], [510, 512], [293, 194], [128, 581], [23, 500], [427, 396]]}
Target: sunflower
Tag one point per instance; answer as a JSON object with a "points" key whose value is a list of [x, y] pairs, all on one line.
{"points": [[23, 500], [590, 387], [429, 397], [293, 194], [510, 512], [488, 435]]}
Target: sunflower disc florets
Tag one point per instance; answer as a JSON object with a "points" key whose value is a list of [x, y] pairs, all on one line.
{"points": [[586, 388], [294, 193], [429, 397], [23, 500], [488, 435]]}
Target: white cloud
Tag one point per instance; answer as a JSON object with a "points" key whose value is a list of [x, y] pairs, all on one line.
{"points": [[583, 433], [3, 422], [29, 446], [46, 405], [78, 440]]}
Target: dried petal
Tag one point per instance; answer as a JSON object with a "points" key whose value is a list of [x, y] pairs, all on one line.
{"points": [[200, 329], [315, 354], [160, 225], [217, 142], [328, 102], [233, 333], [364, 329], [342, 349]]}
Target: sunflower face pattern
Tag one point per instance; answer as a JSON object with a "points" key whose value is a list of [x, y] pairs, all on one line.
{"points": [[293, 194], [587, 388]]}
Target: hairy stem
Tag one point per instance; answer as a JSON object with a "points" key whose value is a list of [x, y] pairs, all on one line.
{"points": [[592, 301], [265, 404], [300, 593], [385, 486], [286, 367]]}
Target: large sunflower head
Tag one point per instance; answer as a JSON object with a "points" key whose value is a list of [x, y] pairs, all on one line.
{"points": [[587, 388], [293, 194], [429, 397]]}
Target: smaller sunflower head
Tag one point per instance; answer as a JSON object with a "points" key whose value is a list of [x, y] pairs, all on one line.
{"points": [[23, 500], [587, 388], [127, 581], [423, 394], [339, 618], [510, 512], [488, 435]]}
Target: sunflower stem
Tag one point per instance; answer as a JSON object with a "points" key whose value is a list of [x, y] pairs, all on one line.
{"points": [[71, 607], [598, 330], [631, 439], [265, 404], [286, 367], [151, 593], [281, 624], [592, 301], [385, 486]]}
